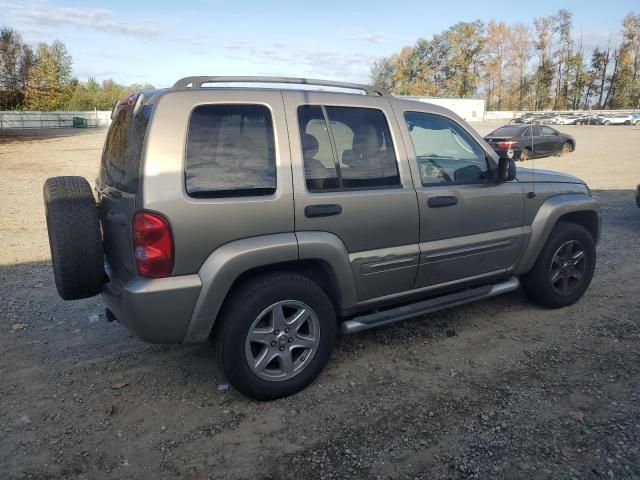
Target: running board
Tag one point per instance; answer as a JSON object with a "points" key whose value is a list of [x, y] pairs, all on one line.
{"points": [[379, 318]]}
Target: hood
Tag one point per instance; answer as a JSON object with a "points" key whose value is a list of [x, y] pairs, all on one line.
{"points": [[541, 176]]}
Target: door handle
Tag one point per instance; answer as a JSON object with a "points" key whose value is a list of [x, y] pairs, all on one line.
{"points": [[324, 210], [442, 201]]}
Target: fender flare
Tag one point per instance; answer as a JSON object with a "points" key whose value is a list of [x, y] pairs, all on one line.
{"points": [[224, 266], [227, 263], [548, 215]]}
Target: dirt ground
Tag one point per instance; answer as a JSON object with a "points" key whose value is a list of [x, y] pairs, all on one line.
{"points": [[497, 389]]}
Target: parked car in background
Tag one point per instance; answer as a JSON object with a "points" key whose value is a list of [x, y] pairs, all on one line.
{"points": [[530, 141], [568, 119], [526, 118], [617, 119], [550, 119], [590, 119]]}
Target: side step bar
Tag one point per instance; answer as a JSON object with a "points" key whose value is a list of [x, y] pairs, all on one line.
{"points": [[379, 318]]}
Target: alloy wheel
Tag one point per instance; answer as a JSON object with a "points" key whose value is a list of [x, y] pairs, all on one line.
{"points": [[282, 340], [568, 268]]}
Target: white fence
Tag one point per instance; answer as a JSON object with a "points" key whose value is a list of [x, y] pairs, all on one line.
{"points": [[10, 119], [510, 114], [471, 109]]}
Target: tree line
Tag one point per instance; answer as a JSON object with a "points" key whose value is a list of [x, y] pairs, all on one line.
{"points": [[42, 80], [519, 66]]}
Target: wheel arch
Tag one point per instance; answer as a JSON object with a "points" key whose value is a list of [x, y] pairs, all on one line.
{"points": [[320, 256], [570, 207]]}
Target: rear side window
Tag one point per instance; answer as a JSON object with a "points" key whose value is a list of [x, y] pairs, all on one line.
{"points": [[505, 132], [230, 151], [122, 152], [346, 148]]}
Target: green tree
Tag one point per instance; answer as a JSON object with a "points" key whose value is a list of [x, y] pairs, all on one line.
{"points": [[16, 61], [621, 80], [631, 38], [49, 87], [466, 41], [520, 51], [543, 76]]}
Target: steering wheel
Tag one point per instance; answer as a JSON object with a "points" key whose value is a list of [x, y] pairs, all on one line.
{"points": [[432, 169]]}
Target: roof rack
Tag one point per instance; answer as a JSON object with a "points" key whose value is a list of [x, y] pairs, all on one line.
{"points": [[188, 83]]}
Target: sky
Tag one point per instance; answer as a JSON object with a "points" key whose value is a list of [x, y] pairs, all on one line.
{"points": [[159, 42]]}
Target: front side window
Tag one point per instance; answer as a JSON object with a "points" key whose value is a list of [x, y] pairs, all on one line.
{"points": [[346, 148], [445, 152], [230, 151]]}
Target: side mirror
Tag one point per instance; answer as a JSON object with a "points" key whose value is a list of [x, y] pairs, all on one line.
{"points": [[506, 169]]}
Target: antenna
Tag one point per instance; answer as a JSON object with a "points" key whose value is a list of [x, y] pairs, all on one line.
{"points": [[532, 193]]}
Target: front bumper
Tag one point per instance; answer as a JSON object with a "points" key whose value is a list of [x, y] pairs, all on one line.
{"points": [[156, 310]]}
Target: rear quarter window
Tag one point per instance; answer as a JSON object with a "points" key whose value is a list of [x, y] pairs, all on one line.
{"points": [[230, 151], [120, 167]]}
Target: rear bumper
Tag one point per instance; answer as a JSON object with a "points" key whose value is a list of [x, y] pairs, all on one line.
{"points": [[156, 310]]}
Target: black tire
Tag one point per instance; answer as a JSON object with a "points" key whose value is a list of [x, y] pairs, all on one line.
{"points": [[74, 237], [566, 148], [525, 155], [245, 304], [538, 285]]}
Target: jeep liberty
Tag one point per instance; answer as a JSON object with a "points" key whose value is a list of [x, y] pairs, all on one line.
{"points": [[267, 218]]}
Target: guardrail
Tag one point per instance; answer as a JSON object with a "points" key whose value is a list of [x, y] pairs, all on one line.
{"points": [[12, 119]]}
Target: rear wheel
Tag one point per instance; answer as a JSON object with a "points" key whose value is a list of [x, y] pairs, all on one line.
{"points": [[75, 237], [564, 268], [525, 155], [275, 335]]}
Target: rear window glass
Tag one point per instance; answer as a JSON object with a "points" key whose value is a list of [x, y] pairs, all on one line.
{"points": [[123, 149], [506, 132], [230, 151]]}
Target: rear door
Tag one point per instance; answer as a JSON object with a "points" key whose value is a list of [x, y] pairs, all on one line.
{"points": [[470, 224], [533, 139], [117, 185], [351, 178], [553, 140]]}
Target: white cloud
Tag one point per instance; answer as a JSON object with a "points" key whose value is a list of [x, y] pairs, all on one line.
{"points": [[90, 18], [369, 37], [320, 63]]}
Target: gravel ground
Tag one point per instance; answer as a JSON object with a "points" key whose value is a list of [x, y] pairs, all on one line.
{"points": [[497, 389]]}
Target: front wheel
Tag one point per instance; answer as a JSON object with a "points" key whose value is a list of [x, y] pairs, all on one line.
{"points": [[566, 149], [275, 335], [564, 268]]}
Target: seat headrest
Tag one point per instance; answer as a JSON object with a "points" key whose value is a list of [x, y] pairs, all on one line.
{"points": [[310, 145], [366, 140]]}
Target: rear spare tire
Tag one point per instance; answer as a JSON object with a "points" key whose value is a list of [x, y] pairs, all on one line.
{"points": [[74, 237]]}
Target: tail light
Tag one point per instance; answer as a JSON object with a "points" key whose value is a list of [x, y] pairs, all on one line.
{"points": [[152, 245], [507, 144]]}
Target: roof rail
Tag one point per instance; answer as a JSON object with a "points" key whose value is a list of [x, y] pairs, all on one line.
{"points": [[188, 83]]}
